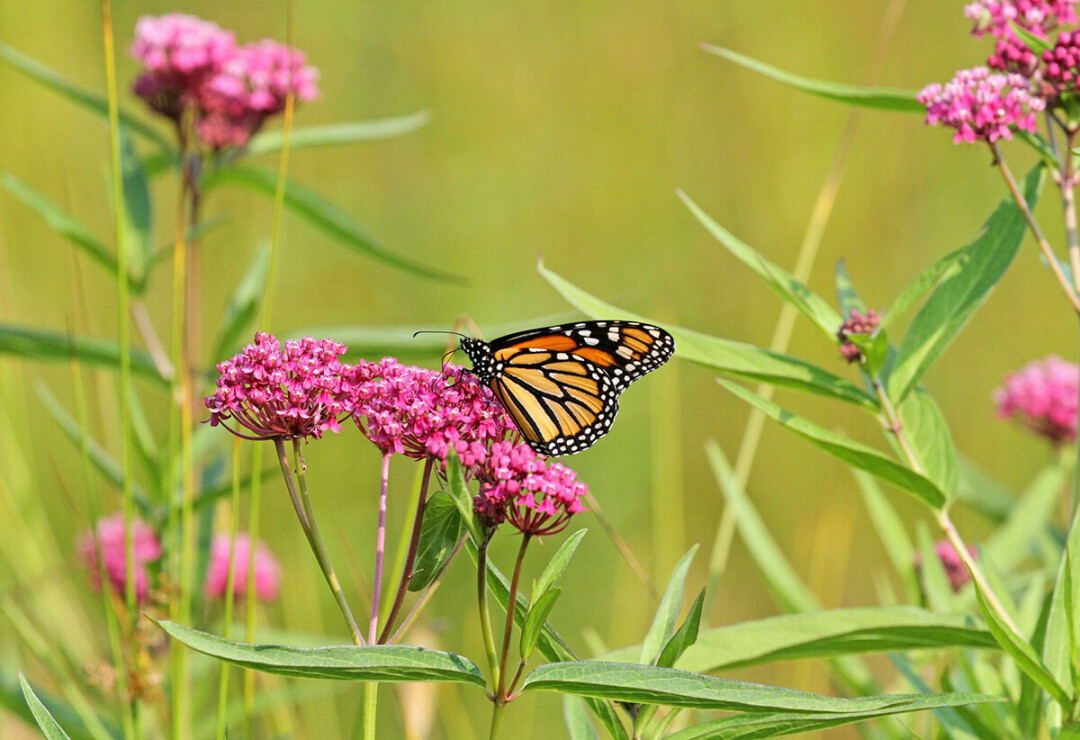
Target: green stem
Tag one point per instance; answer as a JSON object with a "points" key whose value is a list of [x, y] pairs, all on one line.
{"points": [[511, 604], [369, 708], [304, 511], [1033, 225], [380, 550], [230, 585], [485, 614], [254, 502], [410, 559]]}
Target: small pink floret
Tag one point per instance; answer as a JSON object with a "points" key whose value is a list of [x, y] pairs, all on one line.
{"points": [[267, 569], [1043, 395], [110, 538], [981, 105]]}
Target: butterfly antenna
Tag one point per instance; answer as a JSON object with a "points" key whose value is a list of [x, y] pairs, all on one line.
{"points": [[436, 331]]}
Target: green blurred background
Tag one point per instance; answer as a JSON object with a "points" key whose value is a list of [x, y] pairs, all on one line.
{"points": [[559, 130]]}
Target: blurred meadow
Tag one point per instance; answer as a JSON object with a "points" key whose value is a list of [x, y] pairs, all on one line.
{"points": [[554, 130]]}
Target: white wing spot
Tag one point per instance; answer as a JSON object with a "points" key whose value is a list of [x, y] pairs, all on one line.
{"points": [[591, 341]]}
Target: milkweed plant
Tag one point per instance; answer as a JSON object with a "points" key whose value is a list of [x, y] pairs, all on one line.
{"points": [[984, 635]]}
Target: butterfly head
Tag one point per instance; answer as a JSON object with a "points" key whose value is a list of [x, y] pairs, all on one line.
{"points": [[483, 362]]}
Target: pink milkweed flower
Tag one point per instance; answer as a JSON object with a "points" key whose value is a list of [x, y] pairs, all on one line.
{"points": [[110, 538], [950, 559], [252, 85], [300, 389], [179, 53], [1043, 395], [1038, 17], [981, 106], [536, 497], [267, 569], [424, 413], [857, 324]]}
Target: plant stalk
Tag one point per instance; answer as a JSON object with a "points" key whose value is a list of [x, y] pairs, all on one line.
{"points": [[380, 551], [410, 559]]}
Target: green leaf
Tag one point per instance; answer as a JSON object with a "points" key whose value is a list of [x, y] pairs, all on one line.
{"points": [[851, 452], [1062, 632], [1032, 515], [846, 295], [784, 283], [957, 296], [760, 726], [1033, 42], [735, 358], [1029, 707], [539, 610], [928, 434], [880, 98], [308, 137], [42, 344], [1021, 651], [45, 720], [647, 684], [13, 702], [557, 565], [927, 279], [550, 643], [890, 529], [325, 216], [138, 210], [577, 719], [84, 98], [460, 495], [62, 222], [386, 663], [663, 624], [685, 637], [439, 533], [243, 305], [826, 634]]}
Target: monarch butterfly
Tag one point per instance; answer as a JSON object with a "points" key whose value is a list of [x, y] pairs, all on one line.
{"points": [[561, 384]]}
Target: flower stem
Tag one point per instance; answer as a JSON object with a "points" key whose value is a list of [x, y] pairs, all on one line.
{"points": [[485, 615], [1033, 225], [380, 550], [302, 504], [230, 585], [410, 559], [254, 503], [511, 603]]}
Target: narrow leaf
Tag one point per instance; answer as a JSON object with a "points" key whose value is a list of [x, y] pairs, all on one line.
{"points": [[42, 344], [325, 216], [557, 565], [1033, 513], [459, 493], [539, 611], [387, 663], [846, 294], [759, 726], [890, 529], [826, 634], [881, 98], [958, 295], [816, 309], [663, 624], [308, 137], [851, 452], [138, 209], [84, 98], [62, 222], [928, 434], [686, 636], [243, 305], [45, 720], [1060, 649], [735, 358], [918, 287], [439, 533], [577, 719], [646, 684]]}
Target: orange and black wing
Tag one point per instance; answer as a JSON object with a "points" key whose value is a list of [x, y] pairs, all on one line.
{"points": [[561, 384]]}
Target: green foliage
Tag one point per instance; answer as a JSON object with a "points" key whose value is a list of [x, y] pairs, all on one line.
{"points": [[243, 305], [663, 624], [555, 568], [440, 532], [335, 134], [685, 637], [43, 344], [928, 434], [539, 610], [386, 663], [45, 720], [881, 98]]}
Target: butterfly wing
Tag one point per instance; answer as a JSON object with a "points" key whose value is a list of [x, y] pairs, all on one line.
{"points": [[561, 384]]}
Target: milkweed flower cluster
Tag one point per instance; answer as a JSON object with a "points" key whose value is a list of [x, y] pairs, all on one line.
{"points": [[267, 569], [517, 486], [981, 105], [856, 324], [146, 548], [1043, 395], [192, 64], [952, 563], [425, 413], [299, 389]]}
